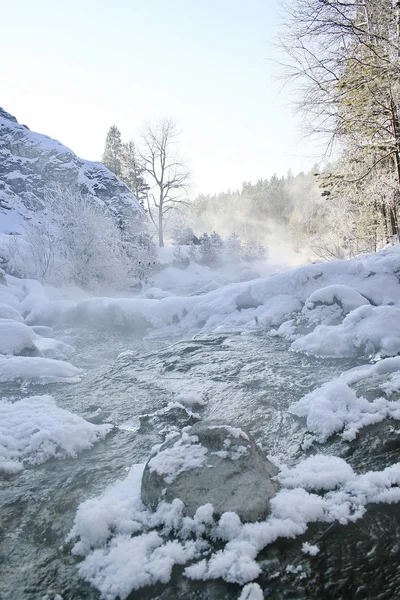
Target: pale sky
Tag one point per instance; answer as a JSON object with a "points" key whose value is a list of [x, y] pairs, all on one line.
{"points": [[72, 68]]}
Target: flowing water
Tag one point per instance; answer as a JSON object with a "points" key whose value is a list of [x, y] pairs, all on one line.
{"points": [[249, 381]]}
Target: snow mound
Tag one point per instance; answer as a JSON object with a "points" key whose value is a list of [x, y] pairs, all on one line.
{"points": [[15, 337], [126, 547], [331, 303], [190, 399], [8, 312], [366, 331], [339, 309], [34, 429], [41, 370], [251, 591], [335, 406]]}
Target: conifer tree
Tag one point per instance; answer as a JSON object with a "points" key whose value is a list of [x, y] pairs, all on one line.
{"points": [[132, 171], [112, 154]]}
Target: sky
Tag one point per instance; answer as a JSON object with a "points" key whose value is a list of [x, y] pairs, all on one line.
{"points": [[72, 69]]}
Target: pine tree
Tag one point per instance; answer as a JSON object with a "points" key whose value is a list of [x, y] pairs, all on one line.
{"points": [[112, 154], [132, 172]]}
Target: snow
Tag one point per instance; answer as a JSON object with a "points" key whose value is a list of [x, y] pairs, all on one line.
{"points": [[339, 309], [335, 406], [35, 429], [190, 399], [310, 549], [41, 162], [8, 312], [251, 591], [15, 337], [366, 331], [117, 563], [185, 454], [38, 369]]}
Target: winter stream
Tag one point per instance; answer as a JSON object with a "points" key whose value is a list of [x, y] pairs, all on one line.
{"points": [[248, 380]]}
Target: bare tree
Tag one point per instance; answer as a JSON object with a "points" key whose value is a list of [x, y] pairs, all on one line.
{"points": [[344, 56], [166, 173]]}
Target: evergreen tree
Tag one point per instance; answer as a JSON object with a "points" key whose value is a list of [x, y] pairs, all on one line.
{"points": [[132, 172], [112, 155]]}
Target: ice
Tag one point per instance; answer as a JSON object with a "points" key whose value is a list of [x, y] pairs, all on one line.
{"points": [[35, 429]]}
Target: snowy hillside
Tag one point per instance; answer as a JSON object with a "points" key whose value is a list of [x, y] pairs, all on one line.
{"points": [[31, 163]]}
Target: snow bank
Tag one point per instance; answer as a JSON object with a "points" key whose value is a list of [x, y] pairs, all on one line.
{"points": [[126, 547], [341, 308], [366, 331], [190, 399], [34, 429]]}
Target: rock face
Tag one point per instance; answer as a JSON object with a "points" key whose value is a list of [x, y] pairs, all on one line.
{"points": [[31, 164], [211, 463]]}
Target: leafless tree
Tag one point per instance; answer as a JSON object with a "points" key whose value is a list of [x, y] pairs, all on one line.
{"points": [[166, 174]]}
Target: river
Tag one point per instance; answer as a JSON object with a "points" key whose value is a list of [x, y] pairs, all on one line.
{"points": [[248, 380]]}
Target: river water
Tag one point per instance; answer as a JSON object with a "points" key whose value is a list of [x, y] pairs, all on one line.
{"points": [[249, 381]]}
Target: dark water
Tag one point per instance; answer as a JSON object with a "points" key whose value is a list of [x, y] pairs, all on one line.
{"points": [[249, 380]]}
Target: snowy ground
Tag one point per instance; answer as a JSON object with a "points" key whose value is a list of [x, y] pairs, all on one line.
{"points": [[338, 309]]}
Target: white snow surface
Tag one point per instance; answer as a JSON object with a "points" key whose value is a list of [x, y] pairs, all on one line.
{"points": [[15, 337], [185, 454], [339, 309], [310, 549], [126, 547], [335, 406], [190, 399], [41, 370], [35, 429], [251, 591]]}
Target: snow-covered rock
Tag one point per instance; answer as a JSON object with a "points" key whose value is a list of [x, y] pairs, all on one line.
{"points": [[31, 163], [35, 429], [211, 463], [16, 338], [38, 369], [125, 546]]}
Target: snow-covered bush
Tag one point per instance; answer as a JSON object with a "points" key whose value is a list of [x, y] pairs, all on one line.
{"points": [[184, 236], [16, 256], [181, 259], [72, 239], [254, 251], [233, 248], [211, 249], [142, 257]]}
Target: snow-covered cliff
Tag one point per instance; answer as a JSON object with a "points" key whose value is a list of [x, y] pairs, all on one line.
{"points": [[31, 164]]}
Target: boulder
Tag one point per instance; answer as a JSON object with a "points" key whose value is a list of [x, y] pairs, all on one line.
{"points": [[211, 462]]}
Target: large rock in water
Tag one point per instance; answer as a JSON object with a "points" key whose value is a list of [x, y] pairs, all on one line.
{"points": [[32, 163], [211, 463]]}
